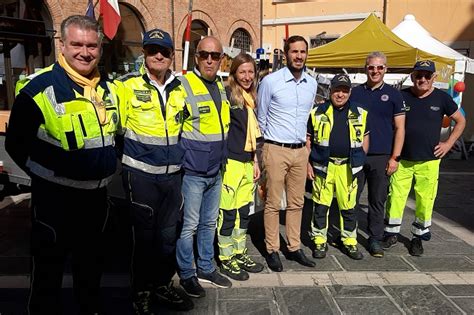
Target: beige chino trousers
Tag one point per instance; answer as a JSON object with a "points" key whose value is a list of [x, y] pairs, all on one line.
{"points": [[285, 170]]}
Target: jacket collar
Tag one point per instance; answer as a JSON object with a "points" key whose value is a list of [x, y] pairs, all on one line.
{"points": [[64, 87]]}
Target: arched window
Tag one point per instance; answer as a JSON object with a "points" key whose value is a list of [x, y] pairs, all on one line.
{"points": [[199, 29], [241, 39], [26, 43], [121, 55]]}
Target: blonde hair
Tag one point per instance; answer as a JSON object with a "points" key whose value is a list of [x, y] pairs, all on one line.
{"points": [[236, 91]]}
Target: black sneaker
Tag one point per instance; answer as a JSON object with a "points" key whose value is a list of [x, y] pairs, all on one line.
{"points": [[168, 296], [192, 287], [214, 278], [319, 252], [141, 303], [352, 251], [247, 263], [389, 241], [375, 249], [231, 269], [416, 247]]}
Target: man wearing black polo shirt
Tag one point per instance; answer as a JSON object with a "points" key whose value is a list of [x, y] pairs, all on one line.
{"points": [[387, 123], [422, 150]]}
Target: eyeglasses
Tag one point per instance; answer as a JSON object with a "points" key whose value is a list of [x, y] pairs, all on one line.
{"points": [[425, 75], [215, 55], [154, 49], [375, 67]]}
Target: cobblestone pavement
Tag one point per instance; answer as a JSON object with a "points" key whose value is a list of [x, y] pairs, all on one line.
{"points": [[441, 281]]}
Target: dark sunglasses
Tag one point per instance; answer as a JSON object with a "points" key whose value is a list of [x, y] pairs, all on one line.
{"points": [[374, 67], [205, 54], [427, 76], [154, 49]]}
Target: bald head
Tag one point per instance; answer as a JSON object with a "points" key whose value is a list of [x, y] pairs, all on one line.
{"points": [[208, 57], [207, 40]]}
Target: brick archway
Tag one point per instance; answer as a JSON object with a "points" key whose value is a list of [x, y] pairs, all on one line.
{"points": [[246, 26], [197, 15]]}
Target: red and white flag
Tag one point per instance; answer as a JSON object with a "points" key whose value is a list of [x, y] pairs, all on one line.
{"points": [[110, 12]]}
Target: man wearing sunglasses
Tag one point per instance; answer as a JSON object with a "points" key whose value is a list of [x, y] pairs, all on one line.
{"points": [[205, 126], [425, 107], [151, 117], [387, 121]]}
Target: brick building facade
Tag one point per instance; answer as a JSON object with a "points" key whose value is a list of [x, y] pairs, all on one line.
{"points": [[35, 25], [223, 19]]}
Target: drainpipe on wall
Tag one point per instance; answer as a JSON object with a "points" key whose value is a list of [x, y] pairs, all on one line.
{"points": [[172, 31], [384, 14], [261, 24]]}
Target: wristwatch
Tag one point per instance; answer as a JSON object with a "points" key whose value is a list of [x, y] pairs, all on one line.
{"points": [[397, 158]]}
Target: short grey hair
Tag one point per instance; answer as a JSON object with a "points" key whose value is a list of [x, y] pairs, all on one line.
{"points": [[376, 54], [84, 23]]}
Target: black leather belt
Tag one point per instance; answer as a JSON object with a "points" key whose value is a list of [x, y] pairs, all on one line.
{"points": [[287, 145]]}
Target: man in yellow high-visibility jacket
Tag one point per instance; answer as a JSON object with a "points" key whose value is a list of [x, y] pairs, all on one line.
{"points": [[339, 139], [204, 140], [151, 116], [61, 133]]}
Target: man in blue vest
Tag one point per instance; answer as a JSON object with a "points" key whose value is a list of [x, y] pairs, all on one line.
{"points": [[205, 127], [151, 116], [61, 133]]}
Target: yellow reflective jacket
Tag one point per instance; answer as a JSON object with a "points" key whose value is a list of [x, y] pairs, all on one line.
{"points": [[73, 148], [322, 120], [205, 128], [151, 129]]}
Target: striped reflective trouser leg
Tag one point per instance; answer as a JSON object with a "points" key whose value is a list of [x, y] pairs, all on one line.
{"points": [[346, 195], [400, 185], [426, 188], [236, 195], [323, 192], [225, 227]]}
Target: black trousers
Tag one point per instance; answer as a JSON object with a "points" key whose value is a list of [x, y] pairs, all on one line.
{"points": [[155, 210], [374, 174], [66, 221]]}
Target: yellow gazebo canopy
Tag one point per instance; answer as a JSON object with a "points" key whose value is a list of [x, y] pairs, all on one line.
{"points": [[370, 35]]}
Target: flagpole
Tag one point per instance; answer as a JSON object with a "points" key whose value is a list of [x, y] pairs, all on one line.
{"points": [[187, 37]]}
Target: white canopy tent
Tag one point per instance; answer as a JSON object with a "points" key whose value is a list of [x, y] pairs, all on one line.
{"points": [[417, 36]]}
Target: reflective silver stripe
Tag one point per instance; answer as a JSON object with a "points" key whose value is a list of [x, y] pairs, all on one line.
{"points": [[193, 100], [361, 110], [88, 143], [58, 107], [200, 137], [47, 174], [152, 169], [418, 231], [392, 221], [112, 99], [356, 169], [392, 229], [130, 134], [43, 135], [324, 143], [320, 167], [424, 224], [356, 144]]}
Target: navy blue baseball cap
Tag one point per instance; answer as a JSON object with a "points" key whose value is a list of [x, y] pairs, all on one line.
{"points": [[424, 65], [158, 37], [341, 80]]}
